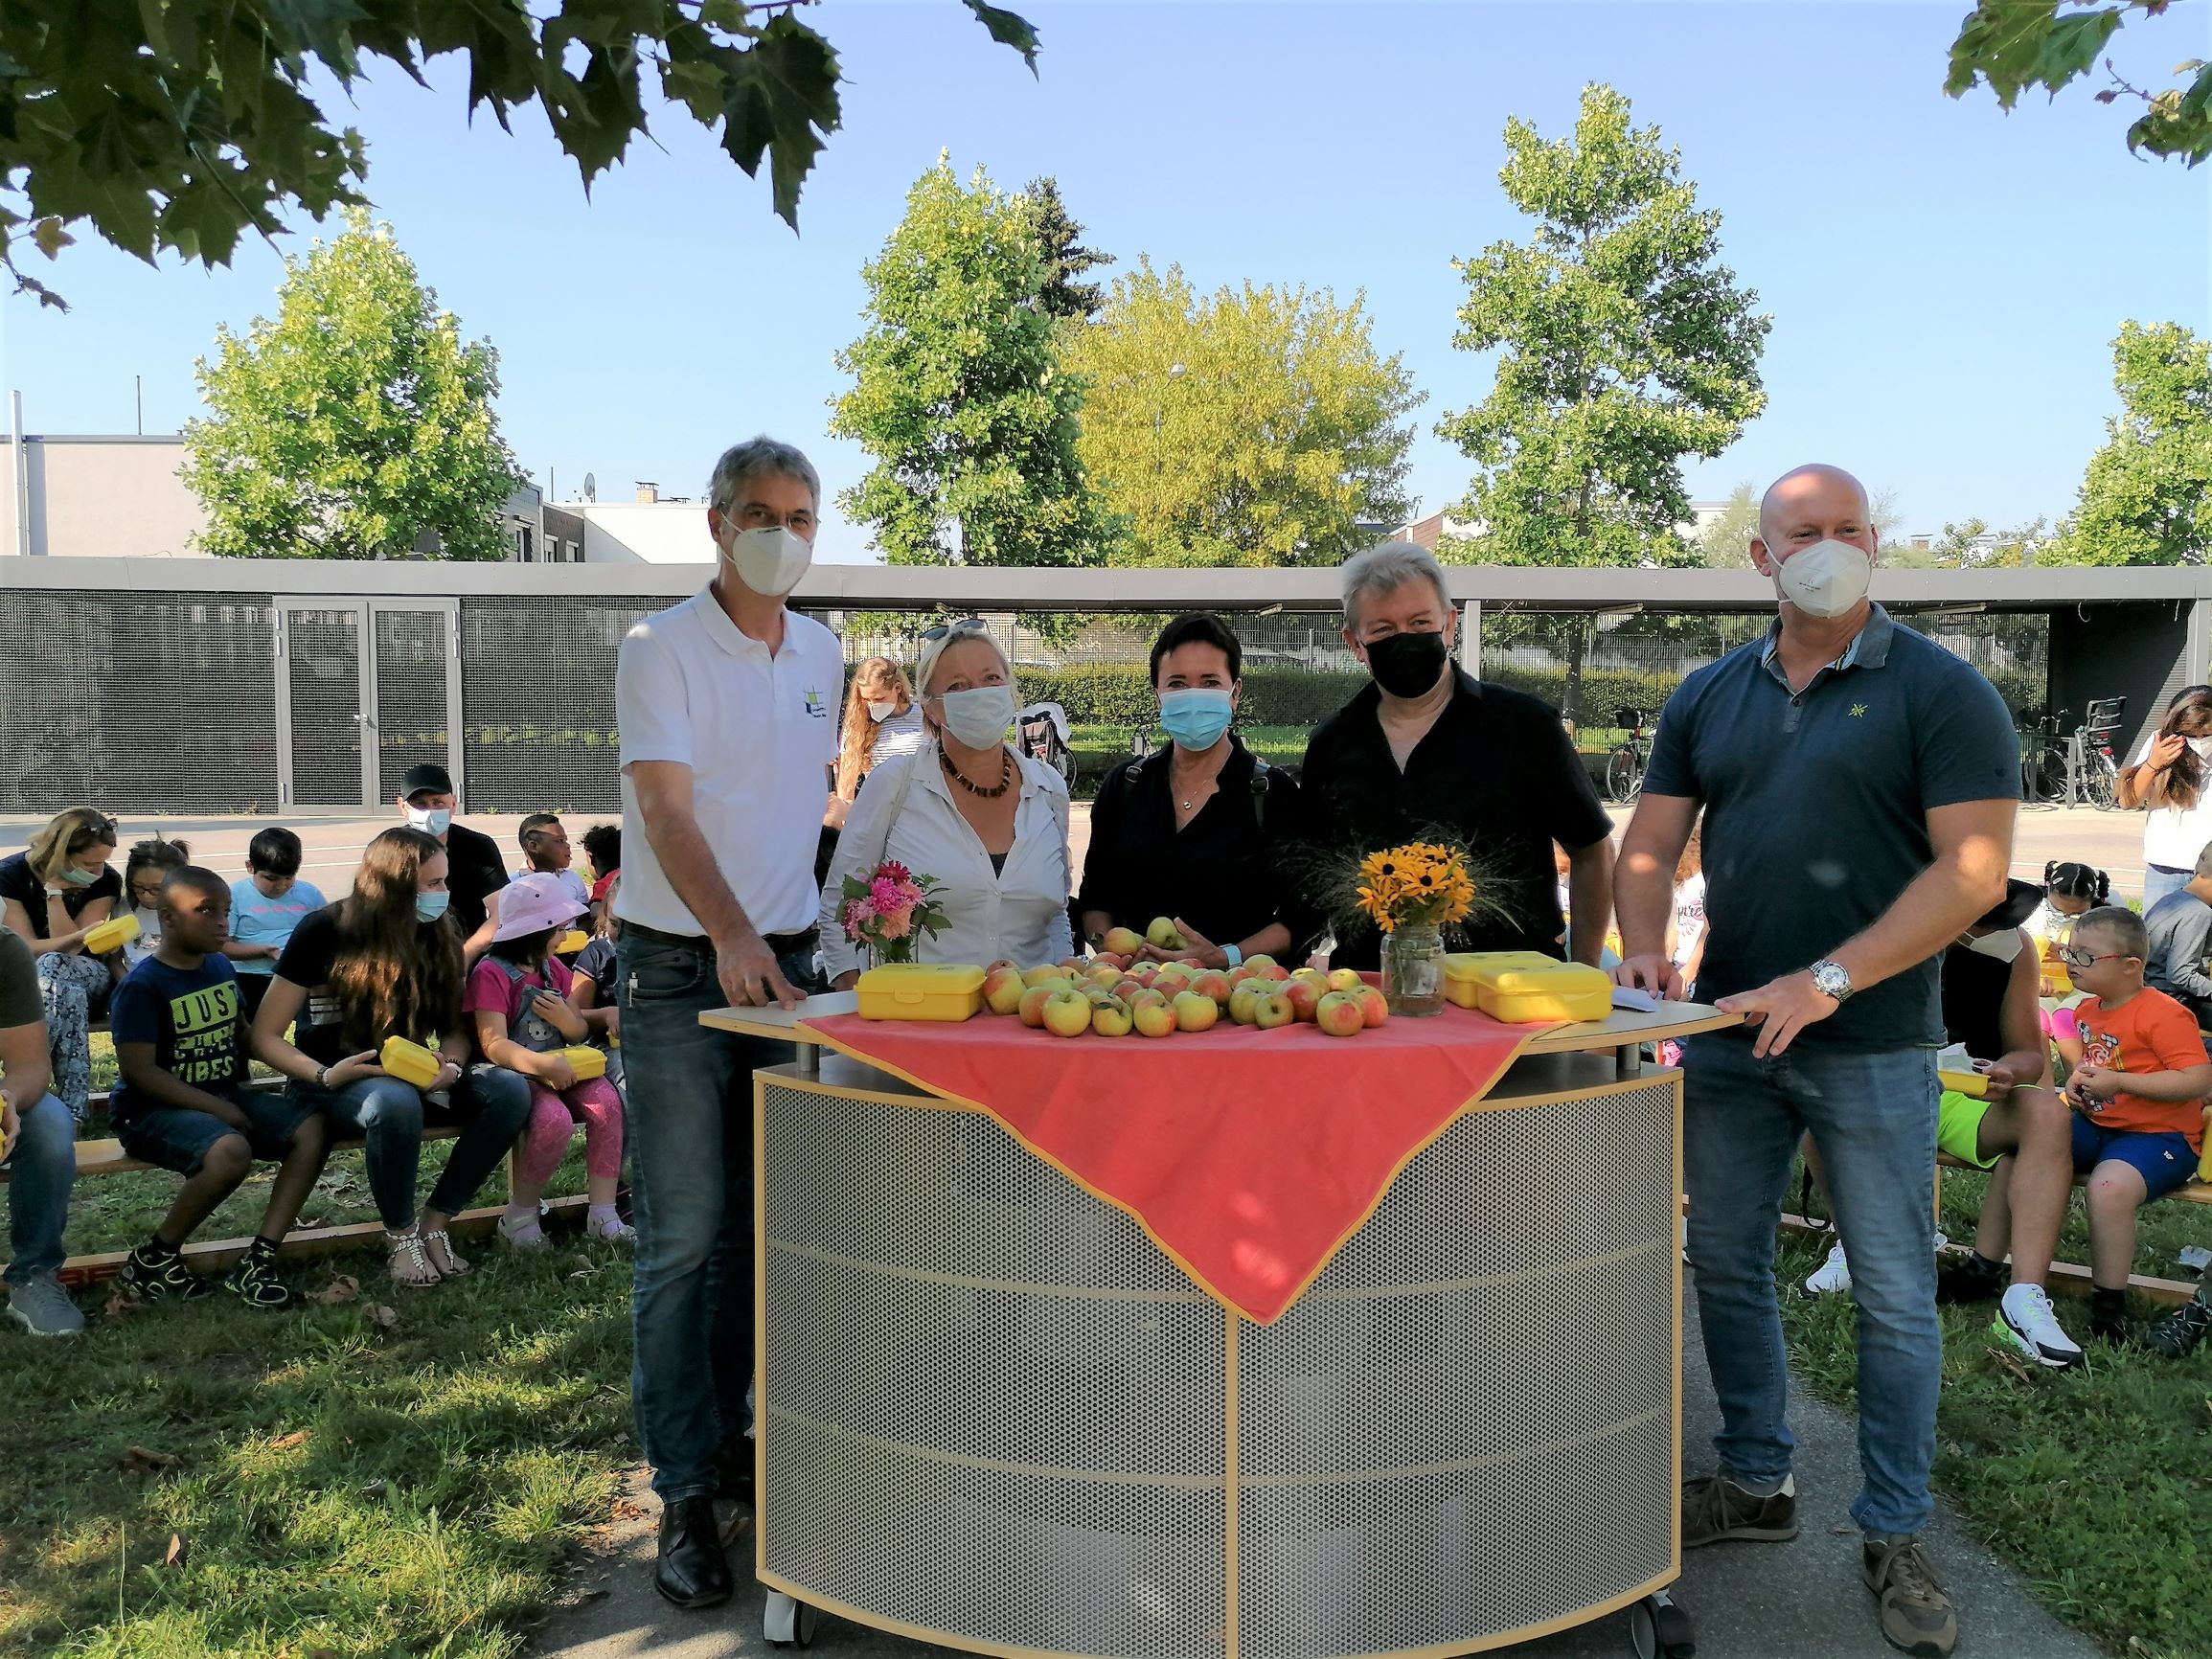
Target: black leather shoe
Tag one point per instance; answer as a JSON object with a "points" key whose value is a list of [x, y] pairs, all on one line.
{"points": [[693, 1571]]}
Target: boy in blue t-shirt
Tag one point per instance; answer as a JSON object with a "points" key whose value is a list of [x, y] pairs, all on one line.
{"points": [[265, 908], [180, 1103]]}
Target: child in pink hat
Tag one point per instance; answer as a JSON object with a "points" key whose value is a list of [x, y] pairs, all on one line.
{"points": [[517, 997]]}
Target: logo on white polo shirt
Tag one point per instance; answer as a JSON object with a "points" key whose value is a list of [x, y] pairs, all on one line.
{"points": [[815, 705]]}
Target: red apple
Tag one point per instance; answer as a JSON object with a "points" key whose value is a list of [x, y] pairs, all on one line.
{"points": [[1345, 979], [1031, 1007], [1154, 1019], [1272, 972], [1145, 996], [1212, 983], [1035, 976], [1067, 1013], [1372, 1004], [1271, 1009], [1304, 996], [1242, 1000], [1339, 1013], [1002, 989], [1123, 940], [1195, 1012], [1110, 1020]]}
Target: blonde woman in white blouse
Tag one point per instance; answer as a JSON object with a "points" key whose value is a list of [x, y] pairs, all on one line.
{"points": [[988, 822]]}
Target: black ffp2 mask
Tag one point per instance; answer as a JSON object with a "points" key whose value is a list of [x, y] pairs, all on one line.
{"points": [[1406, 664]]}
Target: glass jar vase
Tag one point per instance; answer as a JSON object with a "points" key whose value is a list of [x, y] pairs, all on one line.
{"points": [[1413, 969]]}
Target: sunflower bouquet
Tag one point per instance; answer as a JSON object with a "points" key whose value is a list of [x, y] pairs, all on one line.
{"points": [[1423, 883]]}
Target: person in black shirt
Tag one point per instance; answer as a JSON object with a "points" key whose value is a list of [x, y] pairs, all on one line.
{"points": [[1430, 753], [52, 893], [1198, 834], [474, 867]]}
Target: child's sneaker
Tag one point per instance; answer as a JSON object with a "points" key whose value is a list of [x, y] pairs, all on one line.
{"points": [[254, 1280], [1832, 1278], [160, 1275], [2025, 1319], [2179, 1332]]}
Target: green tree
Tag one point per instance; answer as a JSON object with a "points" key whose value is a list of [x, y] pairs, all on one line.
{"points": [[2147, 495], [1972, 545], [1726, 543], [957, 392], [355, 423], [2011, 45], [1065, 258], [1626, 344], [179, 126], [1253, 426]]}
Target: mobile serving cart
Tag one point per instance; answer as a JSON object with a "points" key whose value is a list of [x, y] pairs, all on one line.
{"points": [[997, 1412]]}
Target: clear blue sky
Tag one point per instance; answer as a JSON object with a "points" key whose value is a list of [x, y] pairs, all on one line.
{"points": [[1943, 280]]}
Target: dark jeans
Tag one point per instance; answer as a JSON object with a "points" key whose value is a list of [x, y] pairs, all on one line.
{"points": [[42, 1166], [1873, 1115], [690, 1134], [490, 1104]]}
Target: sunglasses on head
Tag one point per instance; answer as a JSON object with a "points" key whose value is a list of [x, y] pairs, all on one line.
{"points": [[972, 625]]}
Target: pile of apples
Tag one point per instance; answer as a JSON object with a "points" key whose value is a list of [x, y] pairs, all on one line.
{"points": [[1112, 994]]}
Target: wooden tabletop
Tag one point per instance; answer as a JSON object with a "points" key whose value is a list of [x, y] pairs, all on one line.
{"points": [[1618, 1029]]}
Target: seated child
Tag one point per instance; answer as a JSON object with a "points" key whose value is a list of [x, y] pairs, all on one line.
{"points": [[2180, 931], [37, 1149], [545, 851], [181, 1103], [517, 1000], [591, 983], [143, 873], [2138, 1098], [603, 846], [265, 907]]}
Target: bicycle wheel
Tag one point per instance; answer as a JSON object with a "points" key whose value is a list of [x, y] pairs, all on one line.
{"points": [[2043, 776], [2101, 781], [1624, 776]]}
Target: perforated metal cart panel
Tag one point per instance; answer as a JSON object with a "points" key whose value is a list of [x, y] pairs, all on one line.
{"points": [[997, 1416]]}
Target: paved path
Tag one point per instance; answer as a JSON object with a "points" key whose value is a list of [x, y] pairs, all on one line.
{"points": [[2111, 841], [1797, 1601]]}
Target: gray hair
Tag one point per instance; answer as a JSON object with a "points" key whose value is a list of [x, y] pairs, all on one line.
{"points": [[1386, 568], [742, 462]]}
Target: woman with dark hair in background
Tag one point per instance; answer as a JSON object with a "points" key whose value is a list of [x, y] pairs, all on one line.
{"points": [[2169, 781]]}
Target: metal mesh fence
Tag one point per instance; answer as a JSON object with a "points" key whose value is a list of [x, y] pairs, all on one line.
{"points": [[136, 702], [411, 708], [538, 700]]}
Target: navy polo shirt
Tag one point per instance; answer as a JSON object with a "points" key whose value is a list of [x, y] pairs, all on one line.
{"points": [[1816, 808]]}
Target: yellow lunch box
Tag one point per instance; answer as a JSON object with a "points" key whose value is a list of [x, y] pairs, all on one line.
{"points": [[571, 943], [930, 990], [410, 1061], [1522, 987], [113, 934], [584, 1060], [1464, 970], [1972, 1083]]}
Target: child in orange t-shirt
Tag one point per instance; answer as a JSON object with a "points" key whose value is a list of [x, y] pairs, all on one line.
{"points": [[2137, 1096]]}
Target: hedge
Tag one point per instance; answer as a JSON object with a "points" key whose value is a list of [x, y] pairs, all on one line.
{"points": [[1119, 693]]}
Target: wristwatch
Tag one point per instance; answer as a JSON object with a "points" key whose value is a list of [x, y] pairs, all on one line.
{"points": [[1236, 956], [1830, 980]]}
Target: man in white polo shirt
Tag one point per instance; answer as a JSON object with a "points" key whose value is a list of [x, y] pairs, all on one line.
{"points": [[727, 706]]}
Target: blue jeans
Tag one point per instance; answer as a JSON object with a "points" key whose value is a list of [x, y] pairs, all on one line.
{"points": [[42, 1167], [1873, 1116], [490, 1104], [690, 1133], [2157, 883]]}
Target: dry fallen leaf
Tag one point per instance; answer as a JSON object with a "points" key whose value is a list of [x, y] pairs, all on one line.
{"points": [[120, 1304], [285, 1442], [173, 1555], [139, 1461], [2012, 1367], [625, 1510], [342, 1287], [379, 1314]]}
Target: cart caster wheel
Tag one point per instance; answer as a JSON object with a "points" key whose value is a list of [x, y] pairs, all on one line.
{"points": [[1660, 1630], [786, 1622]]}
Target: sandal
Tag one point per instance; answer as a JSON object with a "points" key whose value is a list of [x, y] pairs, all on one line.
{"points": [[521, 1232], [443, 1256], [411, 1265], [611, 1228]]}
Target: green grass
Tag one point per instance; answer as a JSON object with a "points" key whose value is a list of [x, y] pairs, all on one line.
{"points": [[2096, 1483]]}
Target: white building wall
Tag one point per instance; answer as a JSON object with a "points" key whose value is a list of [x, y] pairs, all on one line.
{"points": [[644, 533], [101, 497]]}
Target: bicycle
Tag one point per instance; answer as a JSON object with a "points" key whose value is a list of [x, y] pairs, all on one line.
{"points": [[2100, 768], [2042, 761], [1624, 765]]}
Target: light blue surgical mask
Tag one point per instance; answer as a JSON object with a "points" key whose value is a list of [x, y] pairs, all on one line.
{"points": [[980, 716], [1195, 717], [430, 906], [430, 820], [77, 878]]}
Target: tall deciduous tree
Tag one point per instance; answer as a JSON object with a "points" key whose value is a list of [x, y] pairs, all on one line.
{"points": [[1726, 543], [173, 124], [1626, 345], [1254, 425], [1065, 259], [2015, 44], [2147, 495], [958, 393], [354, 423]]}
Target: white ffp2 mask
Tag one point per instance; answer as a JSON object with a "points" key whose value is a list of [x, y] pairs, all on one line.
{"points": [[980, 716], [770, 561], [1825, 579], [2004, 945]]}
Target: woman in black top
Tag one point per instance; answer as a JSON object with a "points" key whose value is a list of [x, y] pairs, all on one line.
{"points": [[52, 895], [1198, 834]]}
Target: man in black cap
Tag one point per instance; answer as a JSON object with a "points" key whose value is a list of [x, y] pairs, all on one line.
{"points": [[474, 869]]}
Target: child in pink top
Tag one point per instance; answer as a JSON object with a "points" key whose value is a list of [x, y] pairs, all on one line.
{"points": [[517, 997]]}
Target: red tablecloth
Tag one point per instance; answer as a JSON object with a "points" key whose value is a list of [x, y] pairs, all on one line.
{"points": [[1248, 1155]]}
